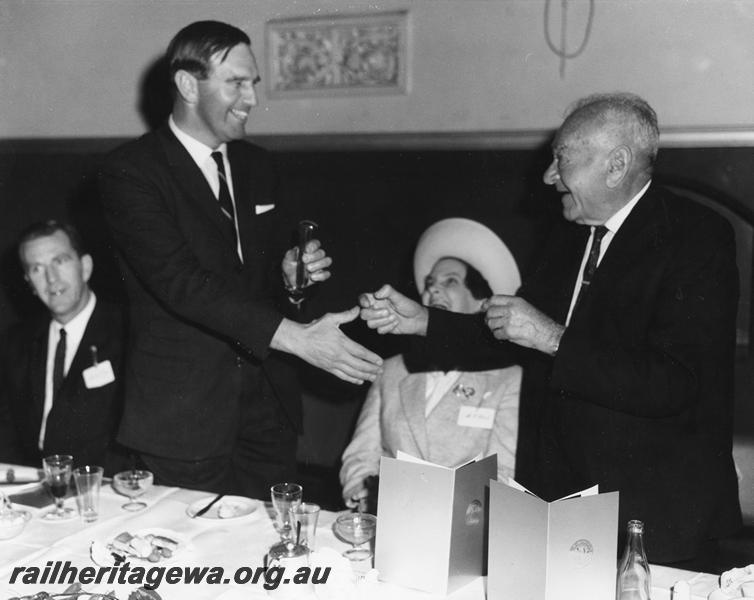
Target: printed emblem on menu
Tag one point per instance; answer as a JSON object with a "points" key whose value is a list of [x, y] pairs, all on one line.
{"points": [[581, 552], [474, 513]]}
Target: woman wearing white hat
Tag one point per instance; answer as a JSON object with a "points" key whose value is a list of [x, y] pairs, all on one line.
{"points": [[447, 418]]}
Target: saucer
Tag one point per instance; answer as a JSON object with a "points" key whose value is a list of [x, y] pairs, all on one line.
{"points": [[229, 508], [47, 516]]}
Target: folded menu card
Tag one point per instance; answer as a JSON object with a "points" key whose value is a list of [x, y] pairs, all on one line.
{"points": [[562, 550], [431, 522]]}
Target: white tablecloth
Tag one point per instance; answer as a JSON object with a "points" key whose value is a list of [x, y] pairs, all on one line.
{"points": [[228, 544]]}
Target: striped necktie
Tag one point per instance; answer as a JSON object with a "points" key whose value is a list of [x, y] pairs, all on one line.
{"points": [[591, 262], [226, 203]]}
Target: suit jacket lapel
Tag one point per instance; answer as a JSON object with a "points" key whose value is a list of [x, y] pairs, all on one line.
{"points": [[38, 372], [83, 359], [412, 392], [191, 179], [640, 230], [243, 197], [550, 288]]}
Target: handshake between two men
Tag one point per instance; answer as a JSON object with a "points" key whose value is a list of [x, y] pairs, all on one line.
{"points": [[508, 317], [386, 310]]}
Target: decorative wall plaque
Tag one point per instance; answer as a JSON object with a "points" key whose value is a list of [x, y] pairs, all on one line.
{"points": [[338, 55]]}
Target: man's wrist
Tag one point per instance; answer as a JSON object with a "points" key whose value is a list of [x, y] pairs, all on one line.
{"points": [[286, 336], [554, 345], [422, 321]]}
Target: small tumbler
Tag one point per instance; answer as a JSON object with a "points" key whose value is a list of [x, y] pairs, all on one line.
{"points": [[88, 480], [306, 514]]}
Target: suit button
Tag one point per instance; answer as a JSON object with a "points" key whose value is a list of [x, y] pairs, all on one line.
{"points": [[239, 362]]}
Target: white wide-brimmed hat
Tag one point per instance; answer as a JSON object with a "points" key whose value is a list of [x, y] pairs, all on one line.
{"points": [[473, 242]]}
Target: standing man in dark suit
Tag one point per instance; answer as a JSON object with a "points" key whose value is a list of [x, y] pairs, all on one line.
{"points": [[61, 391], [212, 401], [628, 325]]}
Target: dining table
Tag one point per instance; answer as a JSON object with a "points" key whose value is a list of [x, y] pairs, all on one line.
{"points": [[236, 545]]}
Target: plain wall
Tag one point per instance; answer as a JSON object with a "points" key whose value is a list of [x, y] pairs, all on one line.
{"points": [[72, 68]]}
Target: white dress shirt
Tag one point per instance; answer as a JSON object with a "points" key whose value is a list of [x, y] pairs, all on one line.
{"points": [[74, 331], [202, 155], [436, 386], [613, 224]]}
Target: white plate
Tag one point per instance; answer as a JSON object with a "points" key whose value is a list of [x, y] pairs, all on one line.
{"points": [[228, 508], [721, 595], [45, 514], [20, 488], [103, 556]]}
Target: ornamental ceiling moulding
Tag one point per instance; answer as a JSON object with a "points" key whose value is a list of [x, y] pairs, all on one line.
{"points": [[338, 55]]}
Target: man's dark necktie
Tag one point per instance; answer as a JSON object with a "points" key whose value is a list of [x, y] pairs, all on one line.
{"points": [[226, 204], [58, 367], [591, 262]]}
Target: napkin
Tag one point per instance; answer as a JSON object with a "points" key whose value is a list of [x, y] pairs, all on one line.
{"points": [[27, 476], [738, 583], [10, 473]]}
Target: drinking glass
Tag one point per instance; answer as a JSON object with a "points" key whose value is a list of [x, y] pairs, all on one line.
{"points": [[88, 480], [305, 517], [57, 470], [133, 483], [305, 233], [286, 497], [356, 529]]}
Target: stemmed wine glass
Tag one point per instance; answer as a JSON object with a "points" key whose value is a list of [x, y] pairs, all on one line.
{"points": [[57, 470], [356, 528], [133, 483], [286, 497]]}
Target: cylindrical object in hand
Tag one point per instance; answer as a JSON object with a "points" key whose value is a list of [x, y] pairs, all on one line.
{"points": [[306, 232]]}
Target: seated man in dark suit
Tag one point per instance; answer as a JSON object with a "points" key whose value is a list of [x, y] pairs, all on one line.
{"points": [[629, 326], [60, 391]]}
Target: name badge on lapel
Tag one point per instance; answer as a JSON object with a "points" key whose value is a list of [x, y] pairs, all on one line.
{"points": [[99, 374], [475, 416]]}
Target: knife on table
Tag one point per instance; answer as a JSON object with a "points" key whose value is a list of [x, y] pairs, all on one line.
{"points": [[200, 512]]}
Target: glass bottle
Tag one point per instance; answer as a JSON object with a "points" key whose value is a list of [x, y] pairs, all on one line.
{"points": [[634, 581]]}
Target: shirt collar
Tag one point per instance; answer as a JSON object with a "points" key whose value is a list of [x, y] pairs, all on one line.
{"points": [[614, 223], [199, 152], [76, 326]]}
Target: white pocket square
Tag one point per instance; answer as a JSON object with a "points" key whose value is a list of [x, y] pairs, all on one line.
{"points": [[263, 208]]}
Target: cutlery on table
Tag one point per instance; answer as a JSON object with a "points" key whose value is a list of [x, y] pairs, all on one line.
{"points": [[201, 511]]}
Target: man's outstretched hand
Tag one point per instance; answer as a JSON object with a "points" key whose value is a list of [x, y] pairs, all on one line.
{"points": [[321, 343], [389, 311]]}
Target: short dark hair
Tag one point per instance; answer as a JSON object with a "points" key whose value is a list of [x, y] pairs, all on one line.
{"points": [[475, 281], [193, 47], [50, 227]]}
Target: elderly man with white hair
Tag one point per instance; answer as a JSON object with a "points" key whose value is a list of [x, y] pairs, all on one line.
{"points": [[629, 319]]}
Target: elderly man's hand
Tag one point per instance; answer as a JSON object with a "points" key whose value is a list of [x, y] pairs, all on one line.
{"points": [[389, 311], [321, 343], [514, 319], [315, 260]]}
